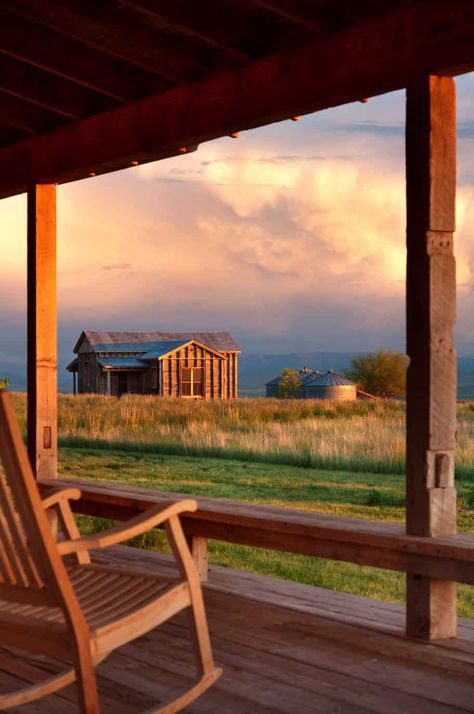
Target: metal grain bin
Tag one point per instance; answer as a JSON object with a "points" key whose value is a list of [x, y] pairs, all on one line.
{"points": [[330, 386], [271, 387]]}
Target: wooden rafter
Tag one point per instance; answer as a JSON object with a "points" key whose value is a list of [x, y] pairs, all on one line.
{"points": [[8, 134], [430, 37], [135, 43], [62, 56], [55, 93], [294, 10], [207, 20], [26, 116]]}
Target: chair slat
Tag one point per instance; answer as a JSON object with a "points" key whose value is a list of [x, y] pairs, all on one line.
{"points": [[6, 572], [25, 570]]}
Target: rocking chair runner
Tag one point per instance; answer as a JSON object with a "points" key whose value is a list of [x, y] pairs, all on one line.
{"points": [[80, 613]]}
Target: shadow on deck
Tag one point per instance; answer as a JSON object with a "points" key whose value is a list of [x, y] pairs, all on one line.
{"points": [[284, 648]]}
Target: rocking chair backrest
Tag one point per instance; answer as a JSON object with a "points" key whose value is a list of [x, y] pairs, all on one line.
{"points": [[31, 569]]}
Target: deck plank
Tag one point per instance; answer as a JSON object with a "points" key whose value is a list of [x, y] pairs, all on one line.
{"points": [[285, 648]]}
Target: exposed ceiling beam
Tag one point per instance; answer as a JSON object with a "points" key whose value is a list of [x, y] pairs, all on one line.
{"points": [[51, 52], [26, 116], [297, 11], [65, 98], [206, 20], [9, 133], [375, 57], [133, 42]]}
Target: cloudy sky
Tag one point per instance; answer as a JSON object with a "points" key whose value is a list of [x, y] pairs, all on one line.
{"points": [[292, 237]]}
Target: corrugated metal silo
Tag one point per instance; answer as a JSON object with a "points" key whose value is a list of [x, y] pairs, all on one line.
{"points": [[330, 386], [272, 387]]}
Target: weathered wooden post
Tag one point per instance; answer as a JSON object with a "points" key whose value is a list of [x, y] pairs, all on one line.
{"points": [[42, 331], [431, 382]]}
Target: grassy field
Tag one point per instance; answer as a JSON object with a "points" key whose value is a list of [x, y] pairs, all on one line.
{"points": [[358, 495], [345, 459], [354, 436]]}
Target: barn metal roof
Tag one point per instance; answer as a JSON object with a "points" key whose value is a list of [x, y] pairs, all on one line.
{"points": [[329, 379], [73, 366], [120, 363], [162, 348], [146, 341]]}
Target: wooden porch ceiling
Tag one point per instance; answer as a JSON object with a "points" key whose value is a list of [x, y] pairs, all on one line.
{"points": [[87, 87]]}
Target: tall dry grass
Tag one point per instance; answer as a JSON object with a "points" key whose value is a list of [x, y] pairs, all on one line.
{"points": [[354, 436]]}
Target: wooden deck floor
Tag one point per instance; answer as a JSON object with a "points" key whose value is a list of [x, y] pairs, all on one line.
{"points": [[284, 648]]}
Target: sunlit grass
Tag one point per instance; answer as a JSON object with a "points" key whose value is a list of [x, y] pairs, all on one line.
{"points": [[353, 436], [357, 495], [345, 459]]}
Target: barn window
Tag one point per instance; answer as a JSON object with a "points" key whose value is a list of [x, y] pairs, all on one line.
{"points": [[192, 382]]}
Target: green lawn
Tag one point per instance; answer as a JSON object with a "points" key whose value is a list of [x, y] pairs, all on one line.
{"points": [[360, 495]]}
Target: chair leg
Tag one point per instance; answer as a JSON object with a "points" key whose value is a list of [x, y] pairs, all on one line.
{"points": [[86, 680], [187, 566], [87, 690], [200, 632]]}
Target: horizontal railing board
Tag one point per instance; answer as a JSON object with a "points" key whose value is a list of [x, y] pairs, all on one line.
{"points": [[378, 544]]}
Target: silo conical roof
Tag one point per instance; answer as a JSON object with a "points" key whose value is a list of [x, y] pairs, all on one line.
{"points": [[330, 379]]}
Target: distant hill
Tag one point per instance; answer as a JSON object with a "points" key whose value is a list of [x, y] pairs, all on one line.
{"points": [[466, 378], [255, 370]]}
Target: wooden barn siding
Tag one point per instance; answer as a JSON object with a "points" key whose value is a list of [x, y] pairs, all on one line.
{"points": [[220, 375], [83, 386], [236, 375], [215, 378]]}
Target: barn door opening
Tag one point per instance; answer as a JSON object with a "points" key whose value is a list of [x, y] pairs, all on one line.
{"points": [[122, 387]]}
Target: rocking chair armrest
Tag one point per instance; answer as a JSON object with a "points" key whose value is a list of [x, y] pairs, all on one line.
{"points": [[54, 495], [137, 525]]}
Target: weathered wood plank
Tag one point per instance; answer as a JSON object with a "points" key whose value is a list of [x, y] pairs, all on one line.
{"points": [[54, 53], [199, 551], [431, 380], [430, 36], [42, 331], [382, 545], [66, 98], [275, 653], [134, 42]]}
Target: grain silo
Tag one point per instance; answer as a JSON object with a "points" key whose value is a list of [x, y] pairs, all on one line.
{"points": [[329, 386], [272, 387]]}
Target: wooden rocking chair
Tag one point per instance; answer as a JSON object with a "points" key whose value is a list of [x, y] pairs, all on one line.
{"points": [[80, 613]]}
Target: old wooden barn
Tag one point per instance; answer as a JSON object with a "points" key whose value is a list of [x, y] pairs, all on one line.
{"points": [[87, 88], [203, 365]]}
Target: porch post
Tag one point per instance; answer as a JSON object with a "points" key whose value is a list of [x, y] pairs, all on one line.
{"points": [[42, 331], [431, 380], [108, 382]]}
